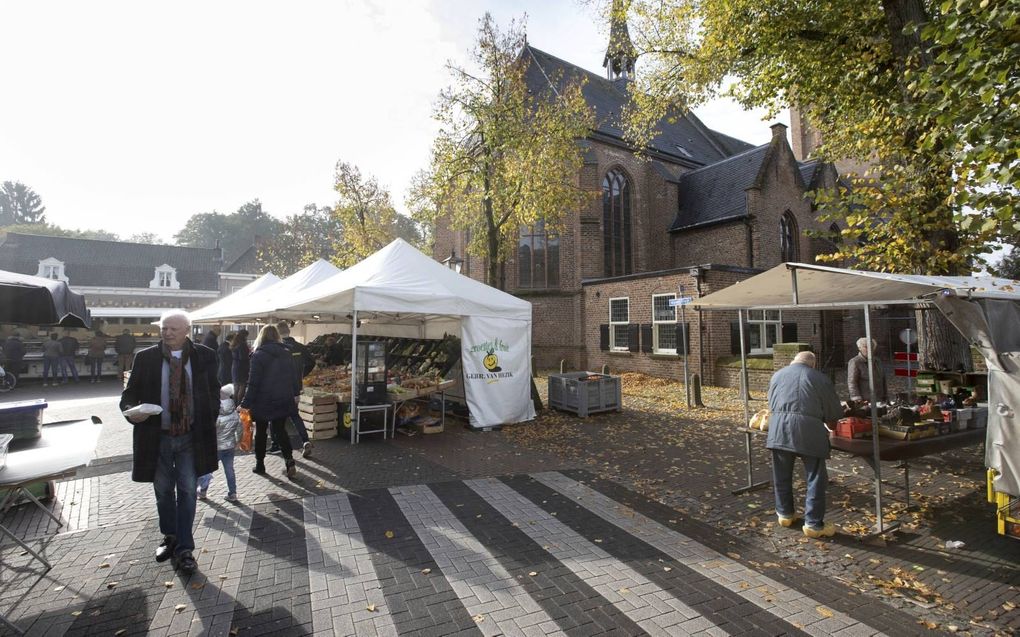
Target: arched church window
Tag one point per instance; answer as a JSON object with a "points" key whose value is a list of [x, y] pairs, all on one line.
{"points": [[788, 238], [616, 232]]}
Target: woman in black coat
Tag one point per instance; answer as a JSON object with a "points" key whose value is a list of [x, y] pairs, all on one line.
{"points": [[272, 388], [226, 361], [240, 364]]}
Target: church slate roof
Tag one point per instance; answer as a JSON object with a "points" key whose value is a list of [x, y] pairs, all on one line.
{"points": [[716, 193], [686, 140], [92, 262]]}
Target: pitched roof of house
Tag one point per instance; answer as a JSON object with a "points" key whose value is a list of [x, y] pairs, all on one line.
{"points": [[685, 139], [716, 193], [93, 262]]}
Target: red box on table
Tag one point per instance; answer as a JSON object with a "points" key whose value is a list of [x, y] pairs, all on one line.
{"points": [[853, 427]]}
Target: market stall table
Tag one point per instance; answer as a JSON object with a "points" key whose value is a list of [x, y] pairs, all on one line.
{"points": [[61, 450]]}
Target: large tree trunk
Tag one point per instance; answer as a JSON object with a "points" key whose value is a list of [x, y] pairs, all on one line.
{"points": [[940, 345]]}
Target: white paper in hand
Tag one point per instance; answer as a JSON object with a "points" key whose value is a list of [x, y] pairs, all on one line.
{"points": [[145, 409]]}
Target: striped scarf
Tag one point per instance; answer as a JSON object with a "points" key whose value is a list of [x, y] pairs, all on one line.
{"points": [[180, 402]]}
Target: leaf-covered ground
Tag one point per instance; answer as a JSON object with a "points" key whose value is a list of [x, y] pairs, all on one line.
{"points": [[691, 459]]}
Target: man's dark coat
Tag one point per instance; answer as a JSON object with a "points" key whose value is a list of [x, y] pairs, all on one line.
{"points": [[144, 386]]}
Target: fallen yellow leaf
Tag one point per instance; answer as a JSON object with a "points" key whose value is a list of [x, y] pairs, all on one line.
{"points": [[824, 612]]}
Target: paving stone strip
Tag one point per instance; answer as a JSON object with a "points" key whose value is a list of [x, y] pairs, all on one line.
{"points": [[575, 606], [342, 580], [653, 609], [419, 603], [208, 596], [272, 596], [724, 608], [772, 596], [73, 503], [488, 591]]}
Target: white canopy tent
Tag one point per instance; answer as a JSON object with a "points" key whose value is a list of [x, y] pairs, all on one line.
{"points": [[260, 303], [985, 309], [398, 291], [225, 304]]}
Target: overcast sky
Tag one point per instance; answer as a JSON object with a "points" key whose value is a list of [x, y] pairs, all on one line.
{"points": [[133, 116]]}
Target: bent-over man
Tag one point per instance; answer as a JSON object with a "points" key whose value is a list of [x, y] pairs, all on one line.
{"points": [[801, 401], [173, 448]]}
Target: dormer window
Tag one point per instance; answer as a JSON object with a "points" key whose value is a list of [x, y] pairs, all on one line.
{"points": [[52, 269], [166, 278]]}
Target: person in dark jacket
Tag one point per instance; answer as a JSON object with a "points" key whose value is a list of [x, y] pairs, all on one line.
{"points": [[68, 354], [304, 363], [802, 401], [125, 345], [173, 448], [272, 387], [14, 354], [52, 351], [240, 357], [226, 360], [211, 338]]}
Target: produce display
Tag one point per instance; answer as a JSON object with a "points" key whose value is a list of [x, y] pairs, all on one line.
{"points": [[405, 357]]}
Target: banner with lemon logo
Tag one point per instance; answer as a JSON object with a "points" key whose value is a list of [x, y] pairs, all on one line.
{"points": [[496, 356]]}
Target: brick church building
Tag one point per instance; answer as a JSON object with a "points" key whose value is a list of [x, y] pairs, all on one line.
{"points": [[702, 210]]}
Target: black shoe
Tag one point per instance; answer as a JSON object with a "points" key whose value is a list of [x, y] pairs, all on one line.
{"points": [[165, 550], [259, 469], [274, 449], [291, 469], [186, 563]]}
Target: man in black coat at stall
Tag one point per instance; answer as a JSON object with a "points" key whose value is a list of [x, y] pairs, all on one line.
{"points": [[211, 338], [173, 448]]}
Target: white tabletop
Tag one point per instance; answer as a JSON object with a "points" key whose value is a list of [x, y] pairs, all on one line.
{"points": [[62, 447]]}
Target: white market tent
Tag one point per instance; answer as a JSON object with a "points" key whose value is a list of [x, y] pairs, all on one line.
{"points": [[398, 291], [260, 303], [225, 304], [985, 309]]}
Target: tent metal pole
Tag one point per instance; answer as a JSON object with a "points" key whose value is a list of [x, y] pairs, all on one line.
{"points": [[745, 391], [354, 376], [876, 459], [793, 282]]}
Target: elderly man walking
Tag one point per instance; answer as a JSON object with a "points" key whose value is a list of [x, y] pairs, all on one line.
{"points": [[802, 401], [173, 448]]}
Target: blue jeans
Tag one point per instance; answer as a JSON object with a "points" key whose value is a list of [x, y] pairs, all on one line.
{"points": [[96, 368], [66, 363], [49, 364], [816, 477], [226, 457], [175, 485]]}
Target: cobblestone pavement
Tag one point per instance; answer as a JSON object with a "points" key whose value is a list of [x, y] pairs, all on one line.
{"points": [[457, 533]]}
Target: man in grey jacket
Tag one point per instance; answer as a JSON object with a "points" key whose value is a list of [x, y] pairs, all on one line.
{"points": [[801, 402]]}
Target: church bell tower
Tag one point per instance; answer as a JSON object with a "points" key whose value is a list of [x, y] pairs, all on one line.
{"points": [[621, 54]]}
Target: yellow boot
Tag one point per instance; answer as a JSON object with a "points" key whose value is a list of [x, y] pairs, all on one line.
{"points": [[786, 521], [826, 531]]}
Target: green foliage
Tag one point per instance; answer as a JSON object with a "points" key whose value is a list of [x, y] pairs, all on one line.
{"points": [[365, 216], [235, 232], [924, 93], [1009, 266], [56, 231], [19, 204], [146, 237], [304, 238], [504, 157]]}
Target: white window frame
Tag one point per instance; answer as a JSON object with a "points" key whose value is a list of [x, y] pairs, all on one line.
{"points": [[158, 278], [759, 321], [616, 325], [53, 269], [656, 324]]}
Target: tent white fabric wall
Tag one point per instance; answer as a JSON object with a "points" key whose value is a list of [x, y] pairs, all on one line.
{"points": [[398, 291]]}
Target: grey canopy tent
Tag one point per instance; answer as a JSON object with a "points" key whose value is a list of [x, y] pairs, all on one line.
{"points": [[985, 309]]}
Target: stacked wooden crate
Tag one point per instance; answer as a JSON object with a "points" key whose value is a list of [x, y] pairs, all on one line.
{"points": [[318, 411]]}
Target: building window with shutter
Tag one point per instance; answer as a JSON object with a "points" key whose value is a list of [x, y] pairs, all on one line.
{"points": [[616, 245], [764, 330], [788, 235], [51, 269], [663, 324], [538, 258], [165, 277], [619, 319]]}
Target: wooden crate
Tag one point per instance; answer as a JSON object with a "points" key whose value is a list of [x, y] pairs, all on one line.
{"points": [[320, 434]]}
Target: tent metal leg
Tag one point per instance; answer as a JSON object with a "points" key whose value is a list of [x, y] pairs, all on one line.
{"points": [[751, 484], [745, 391], [906, 481], [5, 531], [880, 525]]}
